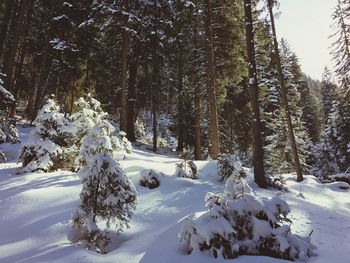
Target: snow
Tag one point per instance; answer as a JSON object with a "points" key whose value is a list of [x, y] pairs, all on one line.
{"points": [[5, 94], [36, 209], [57, 18], [58, 44]]}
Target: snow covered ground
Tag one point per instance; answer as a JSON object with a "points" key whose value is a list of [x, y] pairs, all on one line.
{"points": [[35, 210]]}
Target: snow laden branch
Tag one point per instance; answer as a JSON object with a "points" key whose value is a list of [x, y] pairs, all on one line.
{"points": [[237, 222]]}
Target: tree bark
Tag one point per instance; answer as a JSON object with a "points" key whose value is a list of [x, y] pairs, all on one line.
{"points": [[180, 117], [12, 44], [31, 97], [197, 121], [258, 154], [5, 24], [42, 78], [197, 95], [18, 73], [124, 78], [284, 98], [132, 100], [214, 141], [155, 81], [22, 54]]}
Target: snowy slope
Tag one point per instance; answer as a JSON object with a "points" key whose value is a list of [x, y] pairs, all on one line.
{"points": [[36, 209]]}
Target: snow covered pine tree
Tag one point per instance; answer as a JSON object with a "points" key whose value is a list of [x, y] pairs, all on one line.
{"points": [[107, 192], [88, 114], [229, 164], [150, 179], [8, 132], [239, 223], [45, 147]]}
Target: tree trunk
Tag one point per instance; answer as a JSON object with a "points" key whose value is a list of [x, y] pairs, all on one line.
{"points": [[5, 24], [31, 97], [258, 156], [40, 83], [12, 44], [197, 121], [155, 79], [197, 95], [22, 55], [124, 78], [18, 73], [132, 100], [284, 98], [214, 141], [180, 119]]}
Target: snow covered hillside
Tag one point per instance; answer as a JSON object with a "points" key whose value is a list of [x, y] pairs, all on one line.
{"points": [[36, 209]]}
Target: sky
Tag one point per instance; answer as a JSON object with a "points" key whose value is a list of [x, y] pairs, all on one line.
{"points": [[306, 24]]}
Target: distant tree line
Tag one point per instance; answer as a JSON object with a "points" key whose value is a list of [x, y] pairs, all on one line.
{"points": [[214, 67]]}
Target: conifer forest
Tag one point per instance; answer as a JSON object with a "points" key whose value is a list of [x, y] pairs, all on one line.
{"points": [[165, 131]]}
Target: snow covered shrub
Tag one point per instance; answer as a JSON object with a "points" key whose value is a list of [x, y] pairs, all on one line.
{"points": [[89, 112], [125, 143], [91, 116], [103, 136], [8, 132], [140, 130], [277, 182], [342, 177], [150, 179], [107, 192], [187, 169], [45, 147], [229, 164], [236, 186], [6, 98], [238, 223]]}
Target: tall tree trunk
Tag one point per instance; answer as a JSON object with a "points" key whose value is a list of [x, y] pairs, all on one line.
{"points": [[155, 78], [180, 117], [31, 98], [124, 79], [284, 98], [258, 154], [132, 100], [12, 44], [197, 94], [197, 124], [40, 83], [214, 141], [22, 55], [5, 24], [18, 73]]}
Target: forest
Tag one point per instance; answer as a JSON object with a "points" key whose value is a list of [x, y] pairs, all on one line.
{"points": [[92, 86]]}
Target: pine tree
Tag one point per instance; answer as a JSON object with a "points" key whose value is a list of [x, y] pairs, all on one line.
{"points": [[328, 94], [8, 132], [107, 192], [213, 129], [284, 97], [87, 115], [45, 148], [341, 45], [333, 152], [258, 155]]}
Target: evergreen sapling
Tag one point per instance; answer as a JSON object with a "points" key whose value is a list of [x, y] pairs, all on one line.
{"points": [[107, 192]]}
